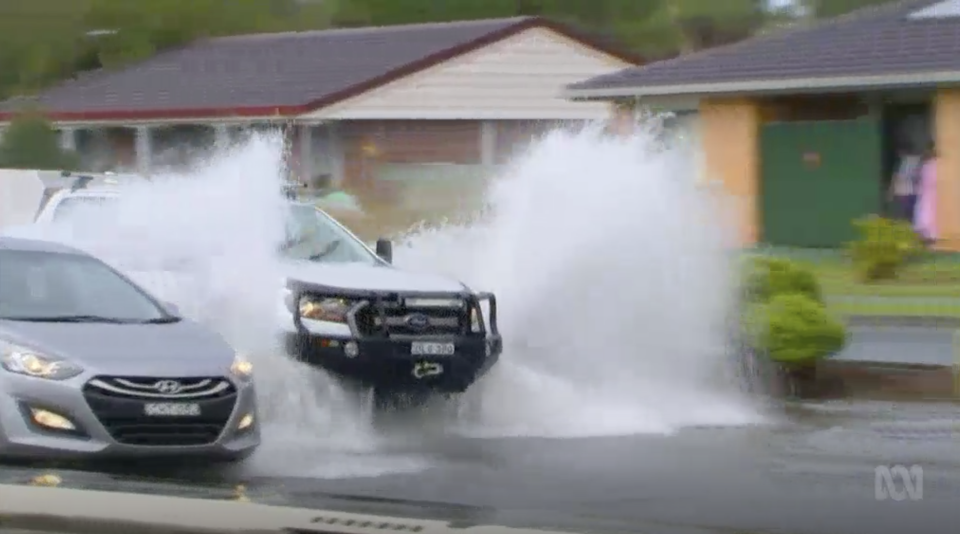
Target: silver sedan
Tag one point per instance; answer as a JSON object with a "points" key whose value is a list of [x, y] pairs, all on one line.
{"points": [[91, 365]]}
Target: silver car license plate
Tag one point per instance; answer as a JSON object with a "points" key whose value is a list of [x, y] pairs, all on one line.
{"points": [[171, 409], [432, 348]]}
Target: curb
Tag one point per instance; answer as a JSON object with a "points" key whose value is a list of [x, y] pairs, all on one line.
{"points": [[75, 511], [904, 321], [888, 366]]}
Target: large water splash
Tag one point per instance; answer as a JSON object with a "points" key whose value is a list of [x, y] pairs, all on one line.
{"points": [[614, 275], [611, 266]]}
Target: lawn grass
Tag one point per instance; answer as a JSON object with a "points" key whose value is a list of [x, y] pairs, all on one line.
{"points": [[919, 280], [927, 287], [894, 308]]}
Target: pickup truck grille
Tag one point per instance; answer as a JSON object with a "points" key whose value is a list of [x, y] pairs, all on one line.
{"points": [[399, 319]]}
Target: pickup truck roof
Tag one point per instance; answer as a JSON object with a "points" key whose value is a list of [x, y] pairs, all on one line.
{"points": [[61, 185]]}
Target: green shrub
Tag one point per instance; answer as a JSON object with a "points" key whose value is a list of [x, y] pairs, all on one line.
{"points": [[794, 330], [769, 277], [883, 247], [30, 142]]}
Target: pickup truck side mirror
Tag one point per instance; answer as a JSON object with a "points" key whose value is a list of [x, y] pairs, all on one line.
{"points": [[385, 249]]}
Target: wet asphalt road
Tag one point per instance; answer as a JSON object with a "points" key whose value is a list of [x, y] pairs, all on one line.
{"points": [[810, 471]]}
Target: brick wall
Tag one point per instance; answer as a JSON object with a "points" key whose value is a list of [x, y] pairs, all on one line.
{"points": [[368, 142]]}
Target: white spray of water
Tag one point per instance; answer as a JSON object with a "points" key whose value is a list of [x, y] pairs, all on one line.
{"points": [[614, 277], [610, 265]]}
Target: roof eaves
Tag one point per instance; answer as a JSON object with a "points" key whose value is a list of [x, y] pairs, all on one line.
{"points": [[912, 79], [126, 115]]}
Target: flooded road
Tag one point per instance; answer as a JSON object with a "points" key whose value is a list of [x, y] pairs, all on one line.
{"points": [[812, 472]]}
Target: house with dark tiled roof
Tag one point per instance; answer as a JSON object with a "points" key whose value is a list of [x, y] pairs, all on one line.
{"points": [[458, 92], [803, 125]]}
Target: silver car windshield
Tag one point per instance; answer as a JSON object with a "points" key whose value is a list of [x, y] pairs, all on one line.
{"points": [[313, 235], [52, 286]]}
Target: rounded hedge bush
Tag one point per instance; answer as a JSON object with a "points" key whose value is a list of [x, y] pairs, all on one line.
{"points": [[794, 329], [884, 246], [769, 277], [31, 142]]}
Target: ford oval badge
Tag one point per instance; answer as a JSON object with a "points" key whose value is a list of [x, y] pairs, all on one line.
{"points": [[417, 320]]}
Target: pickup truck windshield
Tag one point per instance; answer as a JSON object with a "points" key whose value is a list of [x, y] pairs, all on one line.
{"points": [[81, 206], [313, 235]]}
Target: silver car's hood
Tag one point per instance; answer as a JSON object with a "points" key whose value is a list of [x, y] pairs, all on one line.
{"points": [[176, 349], [369, 277]]}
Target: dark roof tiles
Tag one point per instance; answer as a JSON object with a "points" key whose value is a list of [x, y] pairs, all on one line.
{"points": [[270, 70], [875, 41]]}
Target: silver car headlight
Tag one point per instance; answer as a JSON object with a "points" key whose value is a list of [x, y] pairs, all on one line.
{"points": [[29, 362], [241, 367]]}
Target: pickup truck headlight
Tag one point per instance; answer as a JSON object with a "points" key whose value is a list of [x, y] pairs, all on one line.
{"points": [[332, 310], [27, 362], [241, 367]]}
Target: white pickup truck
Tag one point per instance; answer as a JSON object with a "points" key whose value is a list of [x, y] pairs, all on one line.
{"points": [[345, 307]]}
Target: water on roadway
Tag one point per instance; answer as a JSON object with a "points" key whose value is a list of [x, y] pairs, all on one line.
{"points": [[812, 472]]}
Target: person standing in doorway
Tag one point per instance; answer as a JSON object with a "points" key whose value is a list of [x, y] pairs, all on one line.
{"points": [[925, 221], [903, 186]]}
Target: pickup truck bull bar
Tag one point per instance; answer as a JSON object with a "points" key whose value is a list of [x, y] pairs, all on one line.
{"points": [[380, 299]]}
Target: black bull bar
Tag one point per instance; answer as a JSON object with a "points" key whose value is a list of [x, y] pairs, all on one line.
{"points": [[379, 299]]}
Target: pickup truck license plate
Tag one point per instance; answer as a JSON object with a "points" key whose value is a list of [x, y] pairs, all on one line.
{"points": [[171, 409], [432, 348]]}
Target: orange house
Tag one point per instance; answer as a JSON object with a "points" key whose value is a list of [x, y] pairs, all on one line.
{"points": [[804, 125]]}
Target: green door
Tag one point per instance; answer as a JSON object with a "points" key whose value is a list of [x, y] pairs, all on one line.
{"points": [[816, 178]]}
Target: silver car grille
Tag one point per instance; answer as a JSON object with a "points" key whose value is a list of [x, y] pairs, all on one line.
{"points": [[162, 388]]}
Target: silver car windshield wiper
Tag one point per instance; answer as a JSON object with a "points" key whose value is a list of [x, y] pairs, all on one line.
{"points": [[162, 320], [69, 319]]}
